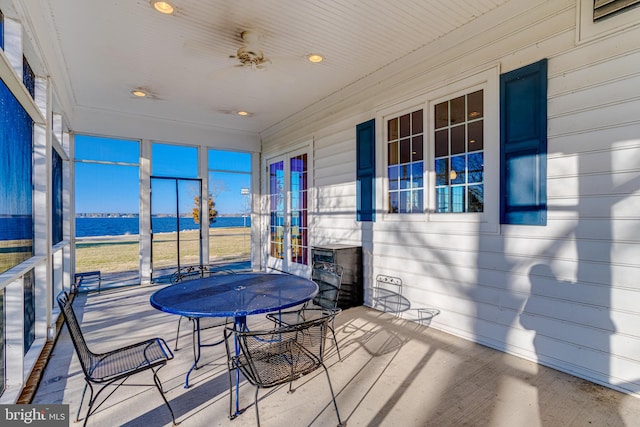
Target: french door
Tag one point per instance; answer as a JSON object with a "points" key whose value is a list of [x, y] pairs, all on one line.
{"points": [[288, 201]]}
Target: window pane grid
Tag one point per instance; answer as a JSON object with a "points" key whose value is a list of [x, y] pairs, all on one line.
{"points": [[405, 172], [459, 155]]}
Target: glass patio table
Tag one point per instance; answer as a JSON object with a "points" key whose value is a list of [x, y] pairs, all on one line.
{"points": [[234, 295]]}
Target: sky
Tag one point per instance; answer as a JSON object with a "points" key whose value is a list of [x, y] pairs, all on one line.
{"points": [[114, 188]]}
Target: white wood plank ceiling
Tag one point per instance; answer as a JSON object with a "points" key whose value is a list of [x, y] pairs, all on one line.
{"points": [[101, 50]]}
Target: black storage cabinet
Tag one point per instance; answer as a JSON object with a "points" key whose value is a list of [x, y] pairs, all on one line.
{"points": [[350, 258]]}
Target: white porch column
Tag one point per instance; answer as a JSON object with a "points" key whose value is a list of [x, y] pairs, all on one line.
{"points": [[203, 172], [145, 212]]}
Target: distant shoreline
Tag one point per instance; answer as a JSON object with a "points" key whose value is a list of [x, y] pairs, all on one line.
{"points": [[124, 226], [218, 230]]}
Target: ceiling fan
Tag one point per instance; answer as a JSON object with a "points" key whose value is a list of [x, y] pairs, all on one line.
{"points": [[250, 55]]}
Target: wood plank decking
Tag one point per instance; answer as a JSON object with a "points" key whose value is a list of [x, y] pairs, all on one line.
{"points": [[393, 373]]}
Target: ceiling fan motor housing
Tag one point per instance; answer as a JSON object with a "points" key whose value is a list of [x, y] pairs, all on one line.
{"points": [[249, 56]]}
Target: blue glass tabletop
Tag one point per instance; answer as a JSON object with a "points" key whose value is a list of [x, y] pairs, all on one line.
{"points": [[234, 295]]}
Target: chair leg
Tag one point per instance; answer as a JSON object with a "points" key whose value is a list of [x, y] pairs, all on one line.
{"points": [[92, 400], [333, 396], [178, 333], [84, 390], [335, 340], [160, 389], [256, 403]]}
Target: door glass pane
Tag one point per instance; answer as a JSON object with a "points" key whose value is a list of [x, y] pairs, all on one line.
{"points": [[299, 231], [276, 209]]}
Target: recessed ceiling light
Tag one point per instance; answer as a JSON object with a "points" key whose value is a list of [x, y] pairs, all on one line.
{"points": [[315, 57], [163, 7], [139, 93], [243, 113]]}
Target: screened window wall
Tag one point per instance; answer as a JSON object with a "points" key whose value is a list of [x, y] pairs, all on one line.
{"points": [[107, 207], [229, 200], [16, 207], [30, 170]]}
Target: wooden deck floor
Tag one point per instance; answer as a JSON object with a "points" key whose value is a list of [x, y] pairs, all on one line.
{"points": [[393, 373]]}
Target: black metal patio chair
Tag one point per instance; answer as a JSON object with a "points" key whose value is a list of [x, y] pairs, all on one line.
{"points": [[269, 358], [114, 367], [199, 324], [328, 277]]}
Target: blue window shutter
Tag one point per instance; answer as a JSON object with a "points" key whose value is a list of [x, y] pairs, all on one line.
{"points": [[523, 145], [366, 170]]}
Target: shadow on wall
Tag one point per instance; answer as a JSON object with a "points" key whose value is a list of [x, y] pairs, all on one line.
{"points": [[538, 312]]}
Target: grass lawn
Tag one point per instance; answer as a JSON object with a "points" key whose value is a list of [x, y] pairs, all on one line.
{"points": [[121, 253]]}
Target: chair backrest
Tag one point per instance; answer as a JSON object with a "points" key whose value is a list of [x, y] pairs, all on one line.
{"points": [[387, 294], [277, 356], [194, 272], [328, 277], [190, 272], [82, 350]]}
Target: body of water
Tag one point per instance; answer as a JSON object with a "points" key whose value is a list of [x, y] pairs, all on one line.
{"points": [[91, 227]]}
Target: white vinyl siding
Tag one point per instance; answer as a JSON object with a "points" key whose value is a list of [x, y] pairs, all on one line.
{"points": [[566, 294]]}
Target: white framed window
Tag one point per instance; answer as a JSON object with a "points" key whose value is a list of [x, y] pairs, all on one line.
{"points": [[447, 167]]}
